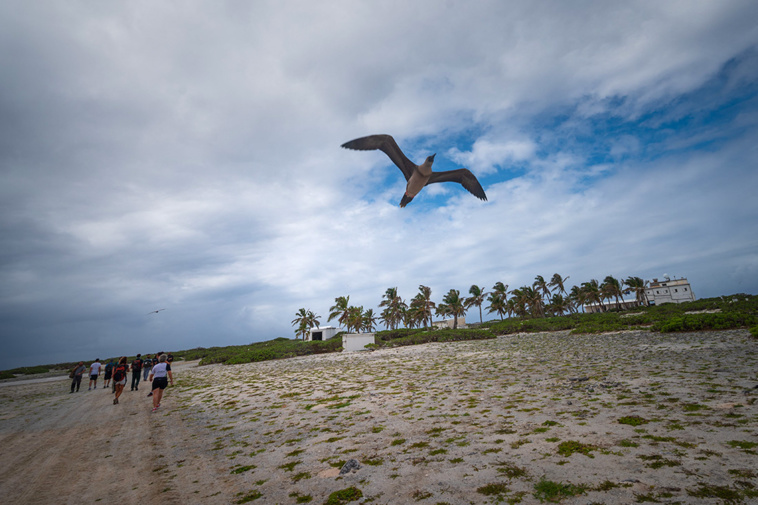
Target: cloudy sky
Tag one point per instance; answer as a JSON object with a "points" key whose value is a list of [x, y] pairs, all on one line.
{"points": [[186, 156]]}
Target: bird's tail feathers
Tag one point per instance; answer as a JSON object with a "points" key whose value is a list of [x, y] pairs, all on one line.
{"points": [[406, 200]]}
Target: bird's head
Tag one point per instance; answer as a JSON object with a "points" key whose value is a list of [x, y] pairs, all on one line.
{"points": [[430, 159]]}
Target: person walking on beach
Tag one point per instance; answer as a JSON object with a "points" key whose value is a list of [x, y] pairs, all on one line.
{"points": [[76, 375], [108, 373], [147, 365], [119, 377], [160, 375], [136, 370], [94, 373]]}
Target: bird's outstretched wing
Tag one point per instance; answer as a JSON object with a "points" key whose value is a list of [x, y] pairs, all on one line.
{"points": [[388, 146], [462, 176]]}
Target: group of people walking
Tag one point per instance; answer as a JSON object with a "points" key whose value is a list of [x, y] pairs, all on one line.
{"points": [[156, 369]]}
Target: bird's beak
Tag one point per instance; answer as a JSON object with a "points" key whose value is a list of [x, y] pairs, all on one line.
{"points": [[433, 155]]}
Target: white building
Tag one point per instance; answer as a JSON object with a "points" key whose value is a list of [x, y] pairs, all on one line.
{"points": [[448, 323], [352, 342], [323, 333], [591, 308], [669, 291]]}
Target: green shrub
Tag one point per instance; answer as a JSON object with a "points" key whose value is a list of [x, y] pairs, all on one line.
{"points": [[24, 370], [279, 348], [633, 420], [708, 321], [344, 496], [569, 447], [556, 491]]}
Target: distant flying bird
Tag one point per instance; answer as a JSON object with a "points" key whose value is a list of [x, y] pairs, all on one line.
{"points": [[417, 176], [155, 311]]}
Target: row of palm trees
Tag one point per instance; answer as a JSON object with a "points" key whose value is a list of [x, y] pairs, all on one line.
{"points": [[541, 299], [550, 298]]}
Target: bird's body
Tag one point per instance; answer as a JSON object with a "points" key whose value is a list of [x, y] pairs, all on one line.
{"points": [[417, 176]]}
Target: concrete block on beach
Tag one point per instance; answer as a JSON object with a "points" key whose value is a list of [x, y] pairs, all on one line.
{"points": [[352, 342]]}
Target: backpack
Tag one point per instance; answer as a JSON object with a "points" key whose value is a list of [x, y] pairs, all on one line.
{"points": [[120, 373], [137, 364]]}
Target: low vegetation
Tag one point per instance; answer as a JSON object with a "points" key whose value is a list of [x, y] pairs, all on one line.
{"points": [[720, 313]]}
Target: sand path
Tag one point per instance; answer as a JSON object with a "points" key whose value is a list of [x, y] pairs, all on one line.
{"points": [[57, 447]]}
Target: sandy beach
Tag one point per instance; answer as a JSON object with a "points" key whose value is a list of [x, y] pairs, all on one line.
{"points": [[615, 418]]}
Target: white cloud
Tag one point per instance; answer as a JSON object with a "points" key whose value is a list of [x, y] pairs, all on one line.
{"points": [[486, 156]]}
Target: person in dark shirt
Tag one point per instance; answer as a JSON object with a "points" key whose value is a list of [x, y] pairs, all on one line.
{"points": [[119, 377], [109, 373], [76, 375], [136, 370], [146, 367]]}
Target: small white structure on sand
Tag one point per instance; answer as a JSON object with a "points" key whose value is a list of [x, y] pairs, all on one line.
{"points": [[357, 341], [323, 333]]}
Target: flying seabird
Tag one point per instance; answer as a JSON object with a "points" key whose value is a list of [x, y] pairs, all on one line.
{"points": [[417, 176], [155, 311]]}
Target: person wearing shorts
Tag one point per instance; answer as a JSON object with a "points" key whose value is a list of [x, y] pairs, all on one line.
{"points": [[119, 377], [94, 373], [160, 375]]}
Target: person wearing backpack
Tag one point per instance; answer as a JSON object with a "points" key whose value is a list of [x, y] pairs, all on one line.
{"points": [[119, 377], [136, 370], [108, 373], [147, 365]]}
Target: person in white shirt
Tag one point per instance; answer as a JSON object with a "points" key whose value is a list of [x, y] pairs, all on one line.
{"points": [[94, 372], [160, 375]]}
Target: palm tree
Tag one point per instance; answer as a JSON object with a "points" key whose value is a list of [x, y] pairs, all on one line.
{"points": [[611, 288], [442, 310], [512, 307], [591, 293], [340, 310], [354, 318], [411, 316], [559, 282], [369, 321], [518, 304], [497, 304], [541, 286], [576, 296], [637, 285], [455, 305], [394, 307], [534, 301], [501, 289], [476, 299], [422, 305], [559, 304], [305, 320]]}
